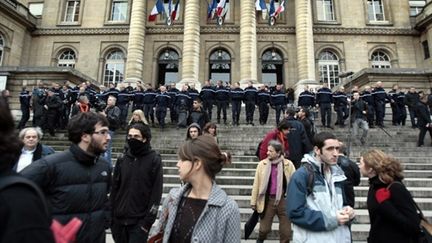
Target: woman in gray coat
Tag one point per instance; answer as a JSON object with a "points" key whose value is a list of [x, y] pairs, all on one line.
{"points": [[200, 211]]}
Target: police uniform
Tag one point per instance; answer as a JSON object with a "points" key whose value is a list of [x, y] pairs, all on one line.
{"points": [[236, 96], [207, 96], [250, 98], [324, 100], [222, 100]]}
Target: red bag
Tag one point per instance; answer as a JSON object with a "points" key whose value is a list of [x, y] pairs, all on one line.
{"points": [[65, 233]]}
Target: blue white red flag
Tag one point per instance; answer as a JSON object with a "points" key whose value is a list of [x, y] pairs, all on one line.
{"points": [[260, 5], [272, 8], [174, 11], [211, 8], [279, 10], [157, 9], [220, 7]]}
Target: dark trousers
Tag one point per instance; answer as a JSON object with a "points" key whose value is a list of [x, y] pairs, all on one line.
{"points": [[342, 114], [52, 117], [208, 107], [402, 114], [221, 106], [279, 109], [371, 115], [174, 115], [235, 108], [123, 114], [160, 115], [250, 109], [137, 107], [379, 113], [128, 233], [325, 110], [422, 134], [25, 117], [263, 109], [412, 116], [148, 112]]}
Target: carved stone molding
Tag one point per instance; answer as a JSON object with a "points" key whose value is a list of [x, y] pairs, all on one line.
{"points": [[81, 31], [365, 31]]}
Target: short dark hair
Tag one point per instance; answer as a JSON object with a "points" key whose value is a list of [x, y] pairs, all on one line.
{"points": [[10, 144], [144, 130], [84, 123], [204, 148], [283, 125], [320, 138]]}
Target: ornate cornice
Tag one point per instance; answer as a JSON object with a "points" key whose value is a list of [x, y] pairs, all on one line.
{"points": [[226, 30]]}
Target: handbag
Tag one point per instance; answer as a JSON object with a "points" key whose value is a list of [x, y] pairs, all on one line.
{"points": [[425, 227], [158, 238]]}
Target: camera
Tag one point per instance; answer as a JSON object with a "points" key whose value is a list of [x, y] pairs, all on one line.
{"points": [[100, 105]]}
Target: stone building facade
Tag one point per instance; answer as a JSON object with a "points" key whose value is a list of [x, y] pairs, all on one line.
{"points": [[311, 42]]}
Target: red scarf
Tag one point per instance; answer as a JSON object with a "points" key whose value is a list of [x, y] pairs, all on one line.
{"points": [[83, 107]]}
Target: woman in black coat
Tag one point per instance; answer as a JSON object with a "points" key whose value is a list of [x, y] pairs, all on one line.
{"points": [[393, 216]]}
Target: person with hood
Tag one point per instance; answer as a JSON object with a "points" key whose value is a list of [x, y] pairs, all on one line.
{"points": [[316, 205], [32, 148], [22, 211], [269, 187], [136, 188], [193, 131]]}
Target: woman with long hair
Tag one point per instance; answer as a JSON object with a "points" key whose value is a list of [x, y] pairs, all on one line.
{"points": [[200, 211], [393, 215], [211, 129], [138, 116]]}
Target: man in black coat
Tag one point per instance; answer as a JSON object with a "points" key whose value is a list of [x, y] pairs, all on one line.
{"points": [[52, 105], [137, 188], [423, 120], [24, 98], [22, 211], [352, 173], [76, 181], [411, 100]]}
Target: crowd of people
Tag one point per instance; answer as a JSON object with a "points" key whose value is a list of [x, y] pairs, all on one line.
{"points": [[302, 176]]}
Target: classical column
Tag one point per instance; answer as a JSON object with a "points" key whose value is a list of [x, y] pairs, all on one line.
{"points": [[305, 43], [248, 42], [135, 55], [191, 44]]}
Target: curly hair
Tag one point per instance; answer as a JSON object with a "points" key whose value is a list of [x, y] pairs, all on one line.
{"points": [[386, 166]]}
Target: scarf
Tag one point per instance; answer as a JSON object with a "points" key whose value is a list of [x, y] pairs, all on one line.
{"points": [[281, 137], [280, 173], [83, 107]]}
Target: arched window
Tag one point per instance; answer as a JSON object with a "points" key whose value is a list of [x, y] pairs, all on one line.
{"points": [[220, 65], [2, 44], [67, 58], [272, 67], [114, 67], [380, 60], [328, 65], [168, 66]]}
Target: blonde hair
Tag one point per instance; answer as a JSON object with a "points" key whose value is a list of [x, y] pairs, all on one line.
{"points": [[141, 116], [386, 166]]}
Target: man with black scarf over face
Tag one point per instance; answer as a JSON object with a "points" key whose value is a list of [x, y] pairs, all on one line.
{"points": [[137, 188]]}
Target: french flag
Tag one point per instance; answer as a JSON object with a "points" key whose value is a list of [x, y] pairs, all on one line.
{"points": [[174, 12], [260, 5], [220, 7], [280, 9], [157, 9], [210, 9]]}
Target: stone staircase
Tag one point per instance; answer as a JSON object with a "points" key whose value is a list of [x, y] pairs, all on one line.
{"points": [[237, 178]]}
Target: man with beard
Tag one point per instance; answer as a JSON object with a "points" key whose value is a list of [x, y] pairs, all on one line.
{"points": [[76, 181], [137, 188]]}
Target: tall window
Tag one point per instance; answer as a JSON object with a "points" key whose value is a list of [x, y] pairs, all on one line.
{"points": [[380, 60], [2, 44], [72, 11], [375, 10], [119, 10], [36, 9], [425, 45], [325, 10], [328, 68], [272, 67], [168, 66], [114, 67], [67, 58], [220, 65], [416, 6]]}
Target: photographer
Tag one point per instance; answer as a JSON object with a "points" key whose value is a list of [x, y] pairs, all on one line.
{"points": [[112, 113]]}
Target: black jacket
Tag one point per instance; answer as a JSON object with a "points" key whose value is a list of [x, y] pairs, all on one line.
{"points": [[352, 173], [394, 220], [23, 217], [198, 116], [113, 117], [137, 188], [423, 114], [75, 184]]}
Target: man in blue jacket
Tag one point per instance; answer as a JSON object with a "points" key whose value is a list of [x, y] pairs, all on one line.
{"points": [[315, 198]]}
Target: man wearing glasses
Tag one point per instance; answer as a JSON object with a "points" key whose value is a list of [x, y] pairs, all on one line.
{"points": [[137, 187], [76, 181]]}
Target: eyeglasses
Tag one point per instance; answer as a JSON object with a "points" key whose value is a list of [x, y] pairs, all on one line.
{"points": [[102, 132]]}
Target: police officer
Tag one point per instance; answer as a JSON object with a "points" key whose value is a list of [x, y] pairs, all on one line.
{"points": [[393, 96], [149, 101], [222, 100], [183, 105], [278, 101], [138, 97], [172, 92], [24, 98], [193, 93], [400, 101], [163, 101], [112, 91], [380, 97], [123, 103], [207, 96], [340, 101], [250, 99], [263, 100], [366, 96], [324, 100], [236, 95], [306, 98], [411, 100]]}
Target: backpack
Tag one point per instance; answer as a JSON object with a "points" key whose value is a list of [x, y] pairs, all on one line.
{"points": [[311, 177], [62, 233], [257, 152]]}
